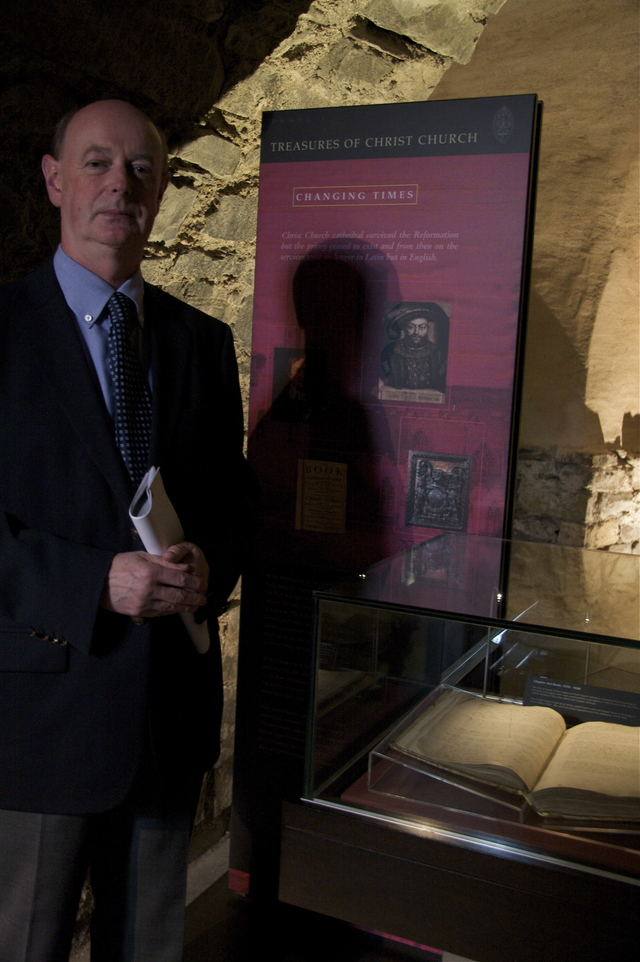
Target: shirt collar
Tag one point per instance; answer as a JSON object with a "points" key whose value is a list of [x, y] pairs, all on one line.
{"points": [[87, 294]]}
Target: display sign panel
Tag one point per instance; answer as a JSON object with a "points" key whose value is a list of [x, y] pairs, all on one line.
{"points": [[390, 266], [392, 257]]}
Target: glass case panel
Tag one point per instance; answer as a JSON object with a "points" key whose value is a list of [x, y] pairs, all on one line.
{"points": [[516, 631], [373, 665], [574, 590]]}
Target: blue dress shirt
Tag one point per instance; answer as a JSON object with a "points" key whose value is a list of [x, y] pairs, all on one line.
{"points": [[87, 296]]}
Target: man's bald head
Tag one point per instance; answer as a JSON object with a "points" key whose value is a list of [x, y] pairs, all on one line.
{"points": [[57, 141], [107, 177]]}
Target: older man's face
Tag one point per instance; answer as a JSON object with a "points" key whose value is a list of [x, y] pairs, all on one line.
{"points": [[416, 331], [107, 182]]}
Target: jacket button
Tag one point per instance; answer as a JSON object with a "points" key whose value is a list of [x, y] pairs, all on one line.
{"points": [[135, 535], [138, 619]]}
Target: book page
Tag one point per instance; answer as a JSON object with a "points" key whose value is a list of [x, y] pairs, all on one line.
{"points": [[597, 757], [463, 730]]}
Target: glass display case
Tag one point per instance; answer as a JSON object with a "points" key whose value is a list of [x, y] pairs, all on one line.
{"points": [[448, 676]]}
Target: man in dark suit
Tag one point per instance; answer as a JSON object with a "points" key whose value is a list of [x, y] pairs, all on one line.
{"points": [[108, 715]]}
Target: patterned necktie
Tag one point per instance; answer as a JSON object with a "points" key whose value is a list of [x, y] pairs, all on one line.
{"points": [[131, 394]]}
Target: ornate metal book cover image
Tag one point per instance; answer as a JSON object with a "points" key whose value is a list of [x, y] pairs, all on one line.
{"points": [[438, 495]]}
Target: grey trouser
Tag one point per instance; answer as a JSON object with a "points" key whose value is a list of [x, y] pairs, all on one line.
{"points": [[137, 856]]}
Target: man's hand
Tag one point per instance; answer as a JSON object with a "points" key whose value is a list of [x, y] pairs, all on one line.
{"points": [[190, 554], [143, 585]]}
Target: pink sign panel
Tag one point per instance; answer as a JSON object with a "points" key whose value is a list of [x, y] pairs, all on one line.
{"points": [[392, 251]]}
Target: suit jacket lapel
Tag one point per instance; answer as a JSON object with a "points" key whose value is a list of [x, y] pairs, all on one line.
{"points": [[171, 346], [51, 328]]}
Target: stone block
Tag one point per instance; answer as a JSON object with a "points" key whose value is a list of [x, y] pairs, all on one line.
{"points": [[551, 497], [612, 480], [527, 528], [335, 55], [567, 456], [571, 534], [602, 535], [364, 67], [534, 495], [223, 784], [176, 204], [213, 154], [315, 14], [604, 461], [616, 506], [573, 477], [235, 219], [629, 533], [197, 266], [528, 475], [206, 298], [447, 27], [243, 325], [625, 548], [534, 453], [204, 810]]}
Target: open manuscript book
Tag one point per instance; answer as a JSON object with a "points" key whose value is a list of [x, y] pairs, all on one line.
{"points": [[589, 771]]}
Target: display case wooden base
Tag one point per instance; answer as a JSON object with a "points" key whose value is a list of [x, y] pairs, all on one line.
{"points": [[427, 884]]}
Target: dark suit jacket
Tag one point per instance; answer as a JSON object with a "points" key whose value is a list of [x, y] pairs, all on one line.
{"points": [[81, 687]]}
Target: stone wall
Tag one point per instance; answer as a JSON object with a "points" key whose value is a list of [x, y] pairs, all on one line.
{"points": [[580, 426], [205, 69], [573, 498]]}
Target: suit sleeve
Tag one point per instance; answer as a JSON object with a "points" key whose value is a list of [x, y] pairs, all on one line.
{"points": [[221, 483], [51, 587]]}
